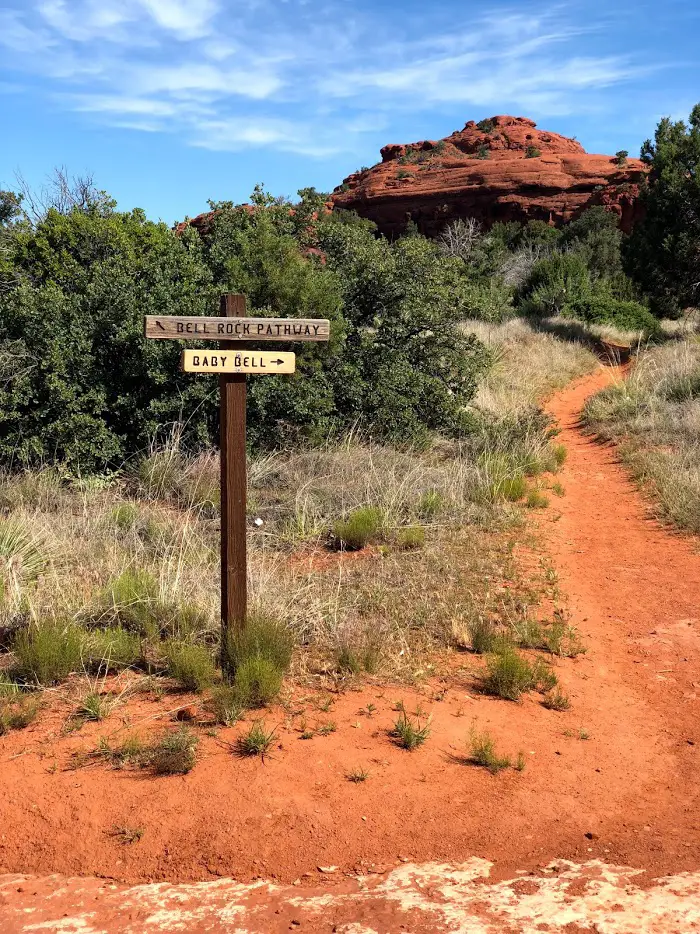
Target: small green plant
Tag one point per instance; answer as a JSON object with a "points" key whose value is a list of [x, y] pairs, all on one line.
{"points": [[583, 734], [112, 649], [257, 741], [557, 700], [560, 453], [509, 675], [621, 157], [326, 728], [485, 637], [563, 640], [124, 516], [362, 527], [175, 753], [519, 762], [536, 500], [528, 634], [483, 152], [47, 653], [402, 173], [431, 504], [306, 734], [225, 704], [132, 752], [352, 660], [408, 733], [411, 538], [357, 775], [486, 126], [264, 636], [191, 665], [18, 714], [257, 681], [131, 598], [532, 152], [558, 489], [94, 706], [483, 752]]}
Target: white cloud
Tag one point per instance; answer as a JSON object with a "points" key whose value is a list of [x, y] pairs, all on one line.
{"points": [[230, 74]]}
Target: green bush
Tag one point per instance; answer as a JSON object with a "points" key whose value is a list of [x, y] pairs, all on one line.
{"points": [[191, 665], [124, 516], [532, 152], [264, 636], [431, 504], [554, 283], [132, 599], [112, 649], [410, 538], [360, 528], [600, 307], [257, 681], [509, 674], [225, 704], [48, 653], [174, 754]]}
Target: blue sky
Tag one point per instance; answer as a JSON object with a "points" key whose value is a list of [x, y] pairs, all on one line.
{"points": [[171, 102]]}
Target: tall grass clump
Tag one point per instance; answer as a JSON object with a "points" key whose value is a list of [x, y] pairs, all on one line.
{"points": [[191, 665], [360, 528], [48, 653], [23, 556], [510, 675], [257, 657]]}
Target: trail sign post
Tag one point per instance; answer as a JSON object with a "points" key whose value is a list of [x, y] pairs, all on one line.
{"points": [[233, 360]]}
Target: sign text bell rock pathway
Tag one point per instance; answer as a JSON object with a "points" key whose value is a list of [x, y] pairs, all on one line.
{"points": [[232, 361]]}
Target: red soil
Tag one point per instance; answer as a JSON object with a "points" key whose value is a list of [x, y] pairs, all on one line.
{"points": [[628, 795]]}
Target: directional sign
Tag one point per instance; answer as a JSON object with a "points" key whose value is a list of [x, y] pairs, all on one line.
{"points": [[169, 327], [260, 362]]}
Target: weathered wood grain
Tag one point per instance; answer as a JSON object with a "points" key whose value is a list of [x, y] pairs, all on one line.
{"points": [[176, 327]]}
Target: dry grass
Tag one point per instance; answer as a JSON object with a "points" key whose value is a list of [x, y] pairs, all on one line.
{"points": [[141, 552], [654, 415]]}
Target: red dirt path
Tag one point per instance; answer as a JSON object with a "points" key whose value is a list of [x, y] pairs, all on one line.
{"points": [[628, 795]]}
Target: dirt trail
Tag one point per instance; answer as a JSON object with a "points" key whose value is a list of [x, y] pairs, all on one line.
{"points": [[626, 797]]}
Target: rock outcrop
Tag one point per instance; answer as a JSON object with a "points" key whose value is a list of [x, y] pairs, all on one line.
{"points": [[500, 169]]}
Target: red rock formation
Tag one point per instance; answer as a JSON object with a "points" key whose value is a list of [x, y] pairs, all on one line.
{"points": [[501, 169]]}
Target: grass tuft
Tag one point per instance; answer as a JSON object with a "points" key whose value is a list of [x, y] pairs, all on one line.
{"points": [[48, 653], [191, 665], [362, 527], [256, 742], [175, 753], [408, 732], [483, 752]]}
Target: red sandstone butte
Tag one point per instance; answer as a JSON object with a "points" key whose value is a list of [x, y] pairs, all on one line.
{"points": [[503, 169]]}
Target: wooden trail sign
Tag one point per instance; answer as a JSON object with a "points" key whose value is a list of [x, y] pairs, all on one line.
{"points": [[238, 327], [232, 330], [259, 362]]}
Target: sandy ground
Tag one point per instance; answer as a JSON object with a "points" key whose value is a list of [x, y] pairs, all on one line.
{"points": [[620, 806]]}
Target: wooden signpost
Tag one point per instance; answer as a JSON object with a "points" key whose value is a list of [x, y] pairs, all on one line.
{"points": [[233, 360]]}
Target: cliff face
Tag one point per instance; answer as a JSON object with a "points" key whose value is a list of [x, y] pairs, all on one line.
{"points": [[501, 169]]}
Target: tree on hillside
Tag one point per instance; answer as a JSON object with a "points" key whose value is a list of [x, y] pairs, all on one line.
{"points": [[663, 253]]}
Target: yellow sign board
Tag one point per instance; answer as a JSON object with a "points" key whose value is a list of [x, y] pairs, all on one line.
{"points": [[259, 362]]}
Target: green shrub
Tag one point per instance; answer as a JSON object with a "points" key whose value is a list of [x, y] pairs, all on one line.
{"points": [[360, 528], [410, 538], [191, 665], [621, 157], [112, 649], [483, 752], [536, 500], [131, 599], [554, 283], [484, 637], [174, 754], [431, 504], [509, 674], [487, 125], [532, 152], [264, 636], [225, 704], [257, 682], [124, 516], [48, 653], [18, 713], [600, 307], [94, 706]]}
